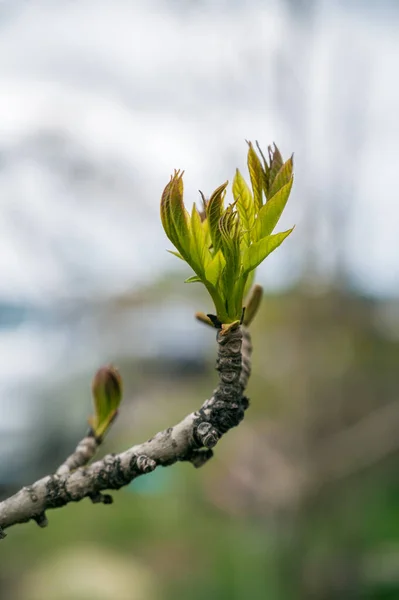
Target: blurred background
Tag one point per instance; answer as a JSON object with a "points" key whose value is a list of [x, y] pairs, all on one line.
{"points": [[99, 102]]}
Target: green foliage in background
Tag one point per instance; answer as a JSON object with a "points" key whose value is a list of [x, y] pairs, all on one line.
{"points": [[224, 245]]}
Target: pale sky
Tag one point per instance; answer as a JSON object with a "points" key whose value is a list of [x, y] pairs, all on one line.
{"points": [[134, 90]]}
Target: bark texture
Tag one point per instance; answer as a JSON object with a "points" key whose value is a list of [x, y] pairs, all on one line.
{"points": [[190, 440]]}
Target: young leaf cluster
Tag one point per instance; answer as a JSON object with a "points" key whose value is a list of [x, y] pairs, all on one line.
{"points": [[224, 245]]}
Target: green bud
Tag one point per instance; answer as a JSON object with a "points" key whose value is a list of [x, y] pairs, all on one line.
{"points": [[107, 396], [252, 304]]}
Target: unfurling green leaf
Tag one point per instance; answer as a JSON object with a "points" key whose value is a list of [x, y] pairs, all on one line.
{"points": [[265, 170], [229, 226], [258, 251], [270, 169], [107, 396], [275, 162], [256, 175], [174, 216], [283, 177], [270, 213], [199, 253], [214, 270], [245, 205], [175, 254], [214, 210], [249, 283]]}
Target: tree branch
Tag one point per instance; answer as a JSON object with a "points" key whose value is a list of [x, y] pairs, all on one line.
{"points": [[83, 454], [190, 440]]}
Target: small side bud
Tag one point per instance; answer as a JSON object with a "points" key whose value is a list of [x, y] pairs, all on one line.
{"points": [[107, 396], [200, 316], [252, 304]]}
